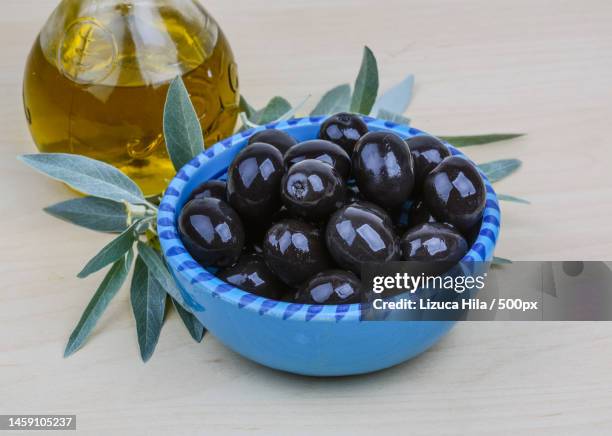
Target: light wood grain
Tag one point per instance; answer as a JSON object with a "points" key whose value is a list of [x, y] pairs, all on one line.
{"points": [[538, 67]]}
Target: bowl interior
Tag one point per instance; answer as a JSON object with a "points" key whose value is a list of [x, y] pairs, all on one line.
{"points": [[213, 164]]}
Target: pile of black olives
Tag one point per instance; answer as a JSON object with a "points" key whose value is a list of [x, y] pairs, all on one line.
{"points": [[296, 221]]}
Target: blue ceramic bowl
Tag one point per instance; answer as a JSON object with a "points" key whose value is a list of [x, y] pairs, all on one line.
{"points": [[300, 338]]}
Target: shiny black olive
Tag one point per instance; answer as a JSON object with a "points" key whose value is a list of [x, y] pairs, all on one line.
{"points": [[433, 242], [331, 287], [343, 129], [322, 150], [361, 232], [253, 182], [427, 152], [279, 139], [312, 190], [295, 251], [455, 193], [211, 231], [251, 274], [383, 169], [212, 188]]}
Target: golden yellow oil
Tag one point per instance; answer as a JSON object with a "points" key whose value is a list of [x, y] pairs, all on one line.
{"points": [[98, 86]]}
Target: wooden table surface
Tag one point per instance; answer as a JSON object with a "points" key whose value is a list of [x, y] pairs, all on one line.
{"points": [[538, 67]]}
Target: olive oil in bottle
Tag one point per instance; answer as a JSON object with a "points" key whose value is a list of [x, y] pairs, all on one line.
{"points": [[98, 74]]}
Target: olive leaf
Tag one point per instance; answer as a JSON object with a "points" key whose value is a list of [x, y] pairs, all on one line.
{"points": [[148, 305], [194, 327], [275, 109], [397, 99], [500, 261], [499, 169], [391, 116], [86, 175], [335, 100], [113, 251], [182, 129], [245, 107], [291, 112], [466, 141], [92, 213], [506, 197], [109, 287], [366, 85], [157, 267]]}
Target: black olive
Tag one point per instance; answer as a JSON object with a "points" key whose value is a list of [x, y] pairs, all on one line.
{"points": [[251, 274], [433, 242], [322, 150], [211, 231], [383, 169], [331, 287], [312, 190], [455, 193], [253, 182], [279, 139], [295, 251], [419, 214], [427, 152], [212, 188], [343, 129], [359, 233]]}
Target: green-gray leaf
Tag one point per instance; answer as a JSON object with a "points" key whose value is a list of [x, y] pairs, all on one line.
{"points": [[366, 85], [396, 99], [113, 251], [466, 141], [512, 198], [245, 107], [499, 169], [276, 108], [86, 175], [390, 116], [157, 267], [109, 287], [500, 261], [148, 304], [291, 112], [194, 327], [182, 129], [92, 213], [334, 100]]}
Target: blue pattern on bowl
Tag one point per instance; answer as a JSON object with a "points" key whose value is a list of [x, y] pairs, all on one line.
{"points": [[299, 338]]}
